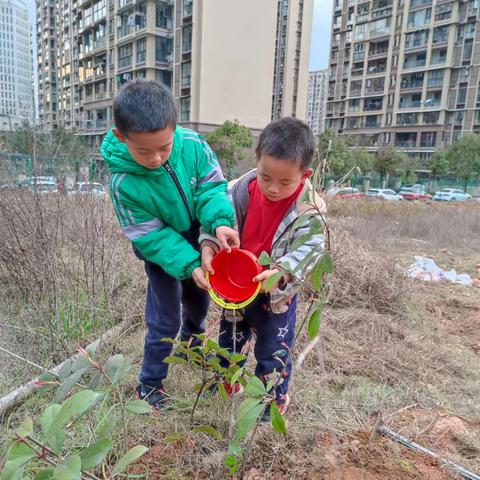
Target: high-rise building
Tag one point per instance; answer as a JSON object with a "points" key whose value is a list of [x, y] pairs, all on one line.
{"points": [[405, 73], [16, 65], [317, 100], [224, 60]]}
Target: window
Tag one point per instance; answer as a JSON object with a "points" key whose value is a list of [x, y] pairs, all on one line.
{"points": [[407, 119], [467, 52], [430, 118], [428, 139], [141, 50], [187, 39], [163, 49], [356, 88], [164, 15], [419, 18], [187, 7], [354, 105], [416, 60], [440, 34], [466, 31], [380, 27], [361, 31], [371, 104], [433, 99], [438, 56], [186, 74], [443, 12], [417, 39], [414, 80], [375, 85], [461, 96], [125, 55], [435, 78], [185, 109]]}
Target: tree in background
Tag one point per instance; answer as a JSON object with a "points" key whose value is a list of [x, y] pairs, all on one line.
{"points": [[388, 161], [340, 157], [438, 163], [464, 157], [230, 142], [362, 159], [58, 151]]}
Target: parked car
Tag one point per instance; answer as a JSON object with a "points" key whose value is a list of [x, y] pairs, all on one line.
{"points": [[414, 193], [451, 195], [348, 193], [40, 184], [384, 194], [88, 188]]}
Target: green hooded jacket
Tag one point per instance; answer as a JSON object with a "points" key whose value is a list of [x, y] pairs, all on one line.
{"points": [[156, 206]]}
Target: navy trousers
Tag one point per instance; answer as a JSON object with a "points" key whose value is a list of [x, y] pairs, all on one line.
{"points": [[171, 304], [275, 333]]}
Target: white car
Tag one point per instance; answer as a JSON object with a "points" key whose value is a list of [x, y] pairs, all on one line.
{"points": [[451, 195], [384, 194], [91, 188]]}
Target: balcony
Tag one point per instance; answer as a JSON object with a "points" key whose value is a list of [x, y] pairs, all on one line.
{"points": [[358, 72], [411, 84], [404, 119], [383, 12], [406, 140], [374, 68]]}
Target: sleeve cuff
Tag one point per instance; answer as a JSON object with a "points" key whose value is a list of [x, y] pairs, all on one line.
{"points": [[221, 222], [190, 268]]}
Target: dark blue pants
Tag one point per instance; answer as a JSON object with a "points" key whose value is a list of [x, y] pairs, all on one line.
{"points": [[274, 331], [170, 304]]}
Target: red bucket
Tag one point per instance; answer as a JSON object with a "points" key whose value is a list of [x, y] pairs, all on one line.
{"points": [[234, 273]]}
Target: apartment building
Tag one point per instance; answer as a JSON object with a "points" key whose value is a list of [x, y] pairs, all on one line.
{"points": [[235, 59], [405, 73], [317, 100]]}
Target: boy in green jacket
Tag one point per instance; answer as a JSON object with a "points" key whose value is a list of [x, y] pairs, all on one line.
{"points": [[165, 182]]}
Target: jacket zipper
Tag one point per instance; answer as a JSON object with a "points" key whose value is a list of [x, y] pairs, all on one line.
{"points": [[174, 177]]}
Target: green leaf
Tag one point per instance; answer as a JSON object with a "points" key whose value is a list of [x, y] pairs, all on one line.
{"points": [[128, 458], [248, 413], [273, 280], [46, 474], [236, 376], [173, 437], [327, 263], [237, 357], [95, 381], [265, 259], [298, 242], [233, 463], [93, 347], [317, 277], [47, 377], [106, 425], [67, 385], [46, 421], [95, 453], [65, 370], [277, 419], [314, 322], [174, 359], [140, 407], [12, 472], [255, 388], [117, 368], [25, 428], [20, 454], [222, 391], [209, 430], [76, 405], [68, 469], [308, 258]]}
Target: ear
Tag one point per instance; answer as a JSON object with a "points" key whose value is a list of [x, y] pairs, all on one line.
{"points": [[117, 134], [307, 173]]}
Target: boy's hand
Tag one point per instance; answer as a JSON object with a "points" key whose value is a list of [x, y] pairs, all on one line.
{"points": [[265, 275], [207, 255], [228, 237], [198, 276]]}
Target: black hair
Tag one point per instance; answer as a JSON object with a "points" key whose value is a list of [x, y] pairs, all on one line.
{"points": [[144, 106], [288, 139]]}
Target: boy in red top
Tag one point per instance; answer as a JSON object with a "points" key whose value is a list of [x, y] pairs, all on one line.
{"points": [[267, 202]]}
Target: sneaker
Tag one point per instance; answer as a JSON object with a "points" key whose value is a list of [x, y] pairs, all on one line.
{"points": [[282, 405], [155, 396]]}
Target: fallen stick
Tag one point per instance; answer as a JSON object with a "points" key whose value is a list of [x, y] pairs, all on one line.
{"points": [[381, 429], [20, 394]]}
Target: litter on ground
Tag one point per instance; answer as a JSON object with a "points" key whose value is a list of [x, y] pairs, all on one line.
{"points": [[426, 269]]}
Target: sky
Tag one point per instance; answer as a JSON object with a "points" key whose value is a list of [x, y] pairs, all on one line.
{"points": [[322, 19]]}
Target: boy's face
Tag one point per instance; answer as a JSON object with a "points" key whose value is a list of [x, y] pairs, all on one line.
{"points": [[278, 178], [149, 149]]}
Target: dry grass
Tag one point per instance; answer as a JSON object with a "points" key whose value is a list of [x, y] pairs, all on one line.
{"points": [[388, 344]]}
